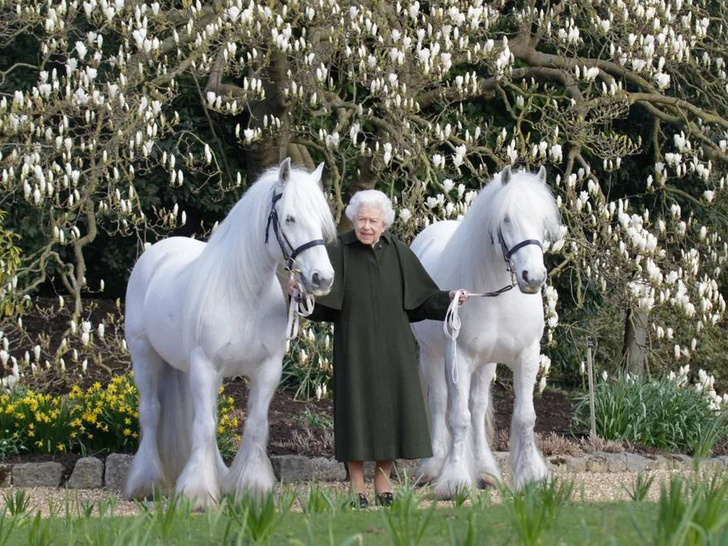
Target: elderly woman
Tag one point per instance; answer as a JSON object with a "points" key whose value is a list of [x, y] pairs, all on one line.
{"points": [[379, 288]]}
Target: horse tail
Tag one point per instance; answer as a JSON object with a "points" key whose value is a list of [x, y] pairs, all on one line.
{"points": [[175, 420]]}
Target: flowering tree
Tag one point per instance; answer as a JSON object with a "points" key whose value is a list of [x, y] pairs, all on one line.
{"points": [[623, 100]]}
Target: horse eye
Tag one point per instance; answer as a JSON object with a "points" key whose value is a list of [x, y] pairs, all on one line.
{"points": [[506, 219], [290, 220]]}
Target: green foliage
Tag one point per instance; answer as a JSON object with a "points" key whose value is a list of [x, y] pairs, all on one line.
{"points": [[256, 515], [307, 369], [535, 508], [640, 487], [98, 419], [312, 418], [316, 501], [656, 413], [690, 513], [405, 521], [17, 502]]}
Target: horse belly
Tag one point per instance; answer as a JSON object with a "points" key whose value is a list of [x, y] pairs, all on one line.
{"points": [[163, 320]]}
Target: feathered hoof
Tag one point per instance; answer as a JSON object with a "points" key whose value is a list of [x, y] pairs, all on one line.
{"points": [[520, 481], [428, 471], [200, 499], [143, 481], [450, 490], [487, 481]]}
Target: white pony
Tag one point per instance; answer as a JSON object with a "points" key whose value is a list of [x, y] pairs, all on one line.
{"points": [[499, 238], [197, 312]]}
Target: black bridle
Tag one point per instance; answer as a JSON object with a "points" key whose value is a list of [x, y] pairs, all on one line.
{"points": [[507, 253], [289, 252]]}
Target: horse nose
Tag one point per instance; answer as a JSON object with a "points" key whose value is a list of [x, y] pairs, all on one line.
{"points": [[524, 275], [321, 281]]}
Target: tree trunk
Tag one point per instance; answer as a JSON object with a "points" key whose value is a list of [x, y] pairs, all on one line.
{"points": [[634, 350]]}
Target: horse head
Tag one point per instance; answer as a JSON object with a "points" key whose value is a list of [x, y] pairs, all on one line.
{"points": [[529, 215], [301, 221]]}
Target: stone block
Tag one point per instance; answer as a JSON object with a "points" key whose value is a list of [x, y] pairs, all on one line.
{"points": [[87, 474], [37, 474], [292, 468], [6, 475], [677, 461], [117, 468], [328, 470], [564, 464], [616, 462], [596, 462]]}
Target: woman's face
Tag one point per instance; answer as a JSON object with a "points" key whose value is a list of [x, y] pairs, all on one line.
{"points": [[369, 224]]}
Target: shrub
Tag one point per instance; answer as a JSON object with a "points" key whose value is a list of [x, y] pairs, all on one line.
{"points": [[665, 413], [98, 419]]}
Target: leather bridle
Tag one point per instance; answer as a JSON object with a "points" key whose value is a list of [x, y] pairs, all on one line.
{"points": [[288, 250]]}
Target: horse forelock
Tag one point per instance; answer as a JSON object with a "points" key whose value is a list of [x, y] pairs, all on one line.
{"points": [[524, 199], [303, 198]]}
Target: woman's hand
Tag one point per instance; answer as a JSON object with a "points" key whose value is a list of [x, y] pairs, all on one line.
{"points": [[293, 284], [464, 295]]}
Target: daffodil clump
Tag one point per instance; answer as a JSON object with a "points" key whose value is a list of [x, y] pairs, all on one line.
{"points": [[97, 419]]}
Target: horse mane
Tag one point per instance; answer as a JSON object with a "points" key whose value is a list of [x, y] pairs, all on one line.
{"points": [[473, 253], [233, 265]]}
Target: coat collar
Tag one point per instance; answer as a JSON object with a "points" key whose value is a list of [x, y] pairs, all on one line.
{"points": [[350, 237]]}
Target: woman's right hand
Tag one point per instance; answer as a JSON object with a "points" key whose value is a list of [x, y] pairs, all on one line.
{"points": [[292, 286]]}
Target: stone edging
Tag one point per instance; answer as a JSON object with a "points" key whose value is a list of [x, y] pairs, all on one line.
{"points": [[93, 473]]}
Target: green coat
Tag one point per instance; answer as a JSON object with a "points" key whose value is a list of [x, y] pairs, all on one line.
{"points": [[379, 413]]}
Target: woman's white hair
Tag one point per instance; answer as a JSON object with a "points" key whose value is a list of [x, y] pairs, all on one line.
{"points": [[370, 198]]}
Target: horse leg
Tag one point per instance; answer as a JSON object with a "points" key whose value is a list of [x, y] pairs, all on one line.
{"points": [[251, 470], [481, 409], [527, 463], [146, 471], [199, 478], [457, 471], [433, 372]]}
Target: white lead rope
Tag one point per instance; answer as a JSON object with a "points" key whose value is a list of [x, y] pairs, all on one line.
{"points": [[451, 325], [301, 305]]}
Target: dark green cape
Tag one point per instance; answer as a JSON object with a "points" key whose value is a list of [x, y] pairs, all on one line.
{"points": [[379, 412]]}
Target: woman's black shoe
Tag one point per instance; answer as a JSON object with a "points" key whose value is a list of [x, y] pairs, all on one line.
{"points": [[360, 501], [385, 499]]}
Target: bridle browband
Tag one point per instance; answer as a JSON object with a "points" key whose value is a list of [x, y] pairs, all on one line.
{"points": [[289, 252]]}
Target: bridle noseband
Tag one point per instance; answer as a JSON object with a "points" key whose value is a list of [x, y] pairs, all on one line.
{"points": [[507, 253], [289, 252]]}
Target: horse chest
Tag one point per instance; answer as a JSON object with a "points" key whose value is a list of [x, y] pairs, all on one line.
{"points": [[501, 334]]}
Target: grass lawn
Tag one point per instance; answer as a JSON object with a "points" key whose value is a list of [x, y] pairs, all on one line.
{"points": [[617, 523], [690, 510]]}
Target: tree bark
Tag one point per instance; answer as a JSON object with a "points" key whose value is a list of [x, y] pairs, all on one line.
{"points": [[634, 350]]}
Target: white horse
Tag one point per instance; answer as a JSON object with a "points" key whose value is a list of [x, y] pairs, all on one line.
{"points": [[198, 312], [499, 238]]}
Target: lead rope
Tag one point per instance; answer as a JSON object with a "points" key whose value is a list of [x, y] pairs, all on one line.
{"points": [[452, 323], [451, 327], [301, 305]]}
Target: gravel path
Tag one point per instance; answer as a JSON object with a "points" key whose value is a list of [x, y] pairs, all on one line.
{"points": [[588, 487]]}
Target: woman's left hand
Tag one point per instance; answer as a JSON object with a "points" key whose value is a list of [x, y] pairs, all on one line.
{"points": [[464, 295]]}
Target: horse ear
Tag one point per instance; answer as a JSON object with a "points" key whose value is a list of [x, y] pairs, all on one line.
{"points": [[542, 174], [506, 175], [318, 175], [284, 171]]}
